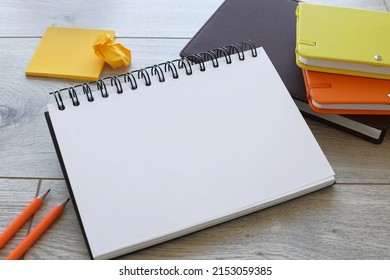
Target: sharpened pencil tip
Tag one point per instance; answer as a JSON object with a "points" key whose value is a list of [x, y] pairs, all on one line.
{"points": [[43, 196], [63, 204]]}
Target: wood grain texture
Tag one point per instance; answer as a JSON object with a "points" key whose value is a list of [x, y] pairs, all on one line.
{"points": [[334, 223], [63, 240], [339, 222], [347, 221], [26, 149], [15, 195], [353, 159], [129, 18], [387, 4]]}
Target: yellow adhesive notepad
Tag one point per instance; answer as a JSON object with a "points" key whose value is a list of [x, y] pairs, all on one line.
{"points": [[68, 53]]}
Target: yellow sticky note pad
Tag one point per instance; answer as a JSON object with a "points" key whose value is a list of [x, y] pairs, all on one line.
{"points": [[68, 53]]}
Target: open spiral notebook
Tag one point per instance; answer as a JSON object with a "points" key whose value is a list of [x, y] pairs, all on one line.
{"points": [[170, 149]]}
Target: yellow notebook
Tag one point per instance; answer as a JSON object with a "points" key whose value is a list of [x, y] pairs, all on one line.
{"points": [[343, 40], [67, 53]]}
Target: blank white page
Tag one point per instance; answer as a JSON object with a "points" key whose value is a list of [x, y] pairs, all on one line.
{"points": [[161, 161]]}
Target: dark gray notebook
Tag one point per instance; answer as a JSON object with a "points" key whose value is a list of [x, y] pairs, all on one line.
{"points": [[272, 24]]}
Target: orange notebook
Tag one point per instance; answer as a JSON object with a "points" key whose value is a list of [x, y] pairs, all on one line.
{"points": [[341, 94]]}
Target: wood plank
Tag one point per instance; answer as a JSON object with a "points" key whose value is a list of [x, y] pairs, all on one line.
{"points": [[387, 4], [340, 222], [169, 19], [174, 18], [27, 149], [15, 195], [334, 223], [129, 18], [347, 221], [354, 160], [63, 240]]}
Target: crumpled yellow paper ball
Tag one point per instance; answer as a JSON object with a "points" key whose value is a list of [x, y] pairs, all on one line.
{"points": [[112, 52]]}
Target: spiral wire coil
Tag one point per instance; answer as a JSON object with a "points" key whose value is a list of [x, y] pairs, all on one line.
{"points": [[160, 70]]}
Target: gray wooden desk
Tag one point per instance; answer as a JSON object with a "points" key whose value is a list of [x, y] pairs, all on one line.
{"points": [[350, 220]]}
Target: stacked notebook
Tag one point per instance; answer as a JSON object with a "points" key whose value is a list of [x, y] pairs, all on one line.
{"points": [[272, 24], [345, 57]]}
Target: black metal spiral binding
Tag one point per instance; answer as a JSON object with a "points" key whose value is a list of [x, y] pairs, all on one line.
{"points": [[160, 70], [129, 78], [115, 80], [184, 63], [169, 66], [210, 55], [143, 73], [101, 86], [198, 60], [156, 70], [88, 92], [58, 99], [223, 52], [73, 96]]}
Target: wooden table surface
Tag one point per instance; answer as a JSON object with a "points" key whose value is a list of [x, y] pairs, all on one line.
{"points": [[350, 220]]}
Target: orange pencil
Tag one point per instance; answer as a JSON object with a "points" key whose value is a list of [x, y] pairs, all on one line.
{"points": [[22, 218], [37, 231]]}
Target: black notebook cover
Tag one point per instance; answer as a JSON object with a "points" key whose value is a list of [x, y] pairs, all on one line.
{"points": [[272, 25]]}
